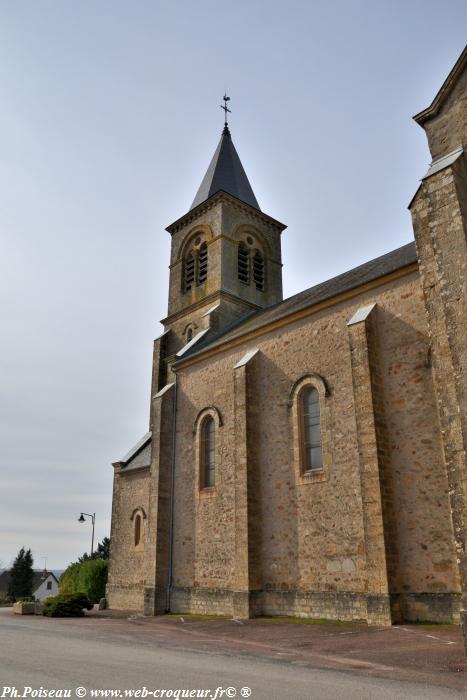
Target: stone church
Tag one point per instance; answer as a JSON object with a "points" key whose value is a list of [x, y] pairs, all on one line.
{"points": [[305, 456]]}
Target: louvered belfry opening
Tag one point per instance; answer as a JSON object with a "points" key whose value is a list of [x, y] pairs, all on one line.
{"points": [[243, 264], [258, 271], [189, 276], [203, 263]]}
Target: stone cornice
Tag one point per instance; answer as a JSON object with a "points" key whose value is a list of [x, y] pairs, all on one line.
{"points": [[119, 469], [217, 295], [220, 197]]}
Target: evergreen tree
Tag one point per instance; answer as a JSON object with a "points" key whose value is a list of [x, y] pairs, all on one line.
{"points": [[102, 551], [21, 575]]}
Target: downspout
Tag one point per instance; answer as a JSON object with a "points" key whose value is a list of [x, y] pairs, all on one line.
{"points": [[172, 495]]}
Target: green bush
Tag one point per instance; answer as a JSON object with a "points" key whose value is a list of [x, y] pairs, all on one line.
{"points": [[69, 579], [67, 605], [89, 577]]}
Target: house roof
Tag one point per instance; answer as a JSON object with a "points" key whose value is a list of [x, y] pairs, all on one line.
{"points": [[37, 579], [369, 271], [226, 173]]}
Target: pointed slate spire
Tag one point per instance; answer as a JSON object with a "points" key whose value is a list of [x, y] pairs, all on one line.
{"points": [[225, 173]]}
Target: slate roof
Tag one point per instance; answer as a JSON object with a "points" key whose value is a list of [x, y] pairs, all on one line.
{"points": [[139, 446], [142, 459], [139, 455], [226, 173], [36, 581], [369, 271]]}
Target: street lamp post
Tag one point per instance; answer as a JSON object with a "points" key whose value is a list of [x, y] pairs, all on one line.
{"points": [[82, 519]]}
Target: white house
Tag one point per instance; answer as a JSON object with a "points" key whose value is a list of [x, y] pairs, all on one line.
{"points": [[44, 584]]}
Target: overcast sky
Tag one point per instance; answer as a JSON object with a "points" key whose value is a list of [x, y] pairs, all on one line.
{"points": [[109, 117]]}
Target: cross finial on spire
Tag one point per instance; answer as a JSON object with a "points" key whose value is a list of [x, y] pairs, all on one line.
{"points": [[226, 109]]}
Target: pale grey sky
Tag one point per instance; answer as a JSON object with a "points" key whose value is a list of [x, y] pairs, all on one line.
{"points": [[109, 117]]}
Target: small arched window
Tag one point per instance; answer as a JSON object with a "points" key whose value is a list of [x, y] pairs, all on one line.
{"points": [[310, 430], [137, 529], [189, 335], [207, 461], [258, 271], [243, 264], [203, 263], [189, 272]]}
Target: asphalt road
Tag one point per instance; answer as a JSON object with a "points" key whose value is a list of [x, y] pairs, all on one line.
{"points": [[39, 652]]}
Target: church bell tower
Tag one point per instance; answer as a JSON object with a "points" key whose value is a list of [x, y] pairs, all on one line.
{"points": [[225, 254]]}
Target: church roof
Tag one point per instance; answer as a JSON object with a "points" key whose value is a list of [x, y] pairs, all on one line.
{"points": [[138, 456], [226, 173], [445, 90], [363, 274]]}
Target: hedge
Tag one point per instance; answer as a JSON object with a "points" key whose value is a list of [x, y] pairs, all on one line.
{"points": [[88, 577]]}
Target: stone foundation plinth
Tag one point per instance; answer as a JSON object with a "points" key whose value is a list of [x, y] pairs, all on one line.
{"points": [[346, 606]]}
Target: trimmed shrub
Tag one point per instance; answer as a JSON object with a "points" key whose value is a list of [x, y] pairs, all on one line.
{"points": [[89, 577], [67, 605]]}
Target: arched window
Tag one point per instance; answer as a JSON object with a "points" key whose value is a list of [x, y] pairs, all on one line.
{"points": [[189, 272], [258, 271], [310, 430], [203, 263], [137, 529], [189, 334], [243, 264], [207, 446]]}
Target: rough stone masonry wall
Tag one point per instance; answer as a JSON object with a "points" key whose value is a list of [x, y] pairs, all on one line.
{"points": [[448, 129], [439, 213], [129, 565], [311, 534], [204, 537], [198, 318], [422, 557], [373, 462]]}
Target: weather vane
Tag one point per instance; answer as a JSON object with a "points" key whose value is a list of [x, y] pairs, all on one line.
{"points": [[225, 108]]}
